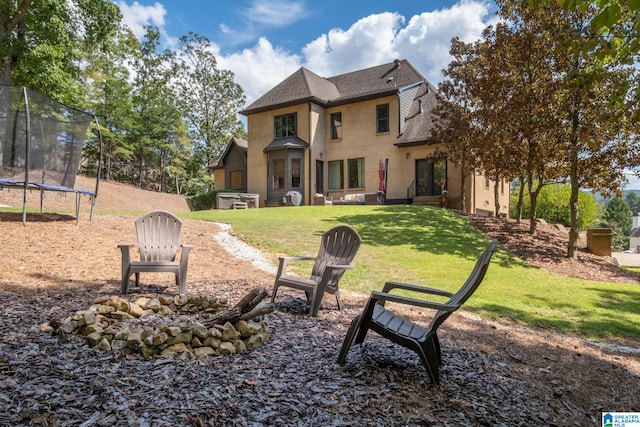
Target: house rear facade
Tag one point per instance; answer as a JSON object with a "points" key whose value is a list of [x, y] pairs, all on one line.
{"points": [[360, 133]]}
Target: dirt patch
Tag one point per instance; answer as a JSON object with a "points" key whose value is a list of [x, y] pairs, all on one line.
{"points": [[112, 196], [492, 374], [548, 248]]}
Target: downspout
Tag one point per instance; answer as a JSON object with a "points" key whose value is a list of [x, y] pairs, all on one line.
{"points": [[308, 195], [399, 112]]}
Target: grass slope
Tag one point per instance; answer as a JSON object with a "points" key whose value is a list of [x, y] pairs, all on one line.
{"points": [[438, 248]]}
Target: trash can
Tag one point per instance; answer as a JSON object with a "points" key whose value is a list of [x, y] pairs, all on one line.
{"points": [[599, 241]]}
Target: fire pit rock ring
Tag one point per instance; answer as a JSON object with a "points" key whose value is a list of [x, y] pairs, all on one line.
{"points": [[192, 326]]}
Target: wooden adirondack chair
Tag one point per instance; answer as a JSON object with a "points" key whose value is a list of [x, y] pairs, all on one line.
{"points": [[338, 247], [158, 242], [422, 340]]}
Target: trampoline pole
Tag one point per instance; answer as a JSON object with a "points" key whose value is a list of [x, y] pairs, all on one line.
{"points": [[98, 172], [77, 208], [26, 157]]}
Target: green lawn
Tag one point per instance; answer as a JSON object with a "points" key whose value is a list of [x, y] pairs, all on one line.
{"points": [[436, 247]]}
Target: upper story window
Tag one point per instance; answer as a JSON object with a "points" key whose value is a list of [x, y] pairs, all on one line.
{"points": [[285, 125], [336, 125], [382, 118]]}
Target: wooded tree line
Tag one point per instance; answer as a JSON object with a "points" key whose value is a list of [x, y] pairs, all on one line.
{"points": [[164, 115], [548, 95]]}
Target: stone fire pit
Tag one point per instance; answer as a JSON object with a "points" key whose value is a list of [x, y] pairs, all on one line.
{"points": [[195, 326]]}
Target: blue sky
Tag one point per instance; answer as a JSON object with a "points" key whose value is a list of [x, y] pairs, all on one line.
{"points": [[265, 41]]}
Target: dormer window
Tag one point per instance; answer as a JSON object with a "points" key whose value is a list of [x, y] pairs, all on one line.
{"points": [[285, 125]]}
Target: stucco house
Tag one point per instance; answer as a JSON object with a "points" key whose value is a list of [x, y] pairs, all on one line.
{"points": [[360, 133]]}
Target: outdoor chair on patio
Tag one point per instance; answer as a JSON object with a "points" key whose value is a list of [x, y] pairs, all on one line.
{"points": [[158, 235], [402, 331], [338, 247]]}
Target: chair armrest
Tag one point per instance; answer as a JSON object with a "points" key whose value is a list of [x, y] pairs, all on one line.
{"points": [[184, 253], [296, 258], [329, 268], [382, 297], [285, 260], [126, 252], [409, 287], [340, 267]]}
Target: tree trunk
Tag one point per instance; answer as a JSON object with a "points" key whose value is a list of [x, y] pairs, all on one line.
{"points": [[496, 197], [5, 74], [140, 167], [520, 200], [463, 183], [8, 27], [573, 205], [533, 213]]}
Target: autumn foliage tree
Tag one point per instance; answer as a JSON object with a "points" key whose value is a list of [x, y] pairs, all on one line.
{"points": [[543, 105], [454, 125]]}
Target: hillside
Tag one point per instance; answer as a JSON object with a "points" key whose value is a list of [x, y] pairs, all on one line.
{"points": [[112, 196]]}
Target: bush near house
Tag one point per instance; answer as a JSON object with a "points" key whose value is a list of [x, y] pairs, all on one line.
{"points": [[205, 201]]}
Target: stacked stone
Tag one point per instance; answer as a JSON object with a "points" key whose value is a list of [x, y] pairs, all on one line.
{"points": [[143, 326]]}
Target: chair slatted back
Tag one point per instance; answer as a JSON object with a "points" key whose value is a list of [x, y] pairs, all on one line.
{"points": [[158, 236], [469, 286], [339, 246]]}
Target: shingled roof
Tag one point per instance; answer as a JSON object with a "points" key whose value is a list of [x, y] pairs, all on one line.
{"points": [[242, 147], [306, 86]]}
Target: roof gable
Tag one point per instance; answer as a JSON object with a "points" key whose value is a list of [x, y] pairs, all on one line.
{"points": [[381, 79], [301, 86], [241, 145]]}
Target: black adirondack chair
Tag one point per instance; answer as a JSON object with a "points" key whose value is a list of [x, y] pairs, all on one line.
{"points": [[402, 331]]}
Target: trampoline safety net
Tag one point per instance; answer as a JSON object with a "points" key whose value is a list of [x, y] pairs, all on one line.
{"points": [[41, 141]]}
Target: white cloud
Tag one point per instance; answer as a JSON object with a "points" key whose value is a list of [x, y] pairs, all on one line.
{"points": [[262, 16], [426, 39], [380, 38], [260, 68], [275, 13], [368, 42], [136, 16]]}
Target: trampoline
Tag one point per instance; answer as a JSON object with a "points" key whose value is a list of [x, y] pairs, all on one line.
{"points": [[41, 142]]}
